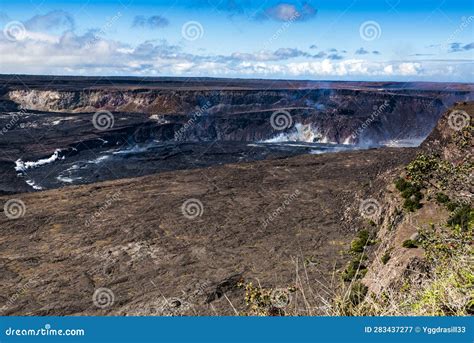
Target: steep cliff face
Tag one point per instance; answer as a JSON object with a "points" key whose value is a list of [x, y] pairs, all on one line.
{"points": [[422, 264], [452, 137], [339, 115]]}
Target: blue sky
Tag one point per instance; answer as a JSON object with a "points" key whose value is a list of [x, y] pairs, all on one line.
{"points": [[332, 40]]}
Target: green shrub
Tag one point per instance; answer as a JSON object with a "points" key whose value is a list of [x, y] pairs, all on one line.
{"points": [[409, 243], [451, 206], [442, 198], [385, 257], [421, 168], [411, 193], [412, 205], [401, 184], [358, 245], [462, 217], [357, 293], [470, 306], [354, 270]]}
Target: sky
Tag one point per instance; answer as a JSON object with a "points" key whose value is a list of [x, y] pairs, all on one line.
{"points": [[387, 40]]}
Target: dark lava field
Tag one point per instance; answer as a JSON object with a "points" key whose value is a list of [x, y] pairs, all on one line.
{"points": [[48, 138]]}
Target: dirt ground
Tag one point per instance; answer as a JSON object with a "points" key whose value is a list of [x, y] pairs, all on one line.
{"points": [[178, 242]]}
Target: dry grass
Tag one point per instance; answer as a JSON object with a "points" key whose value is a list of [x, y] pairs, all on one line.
{"points": [[444, 286]]}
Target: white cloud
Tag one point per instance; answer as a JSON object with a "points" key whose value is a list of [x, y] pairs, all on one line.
{"points": [[388, 69], [90, 53], [352, 67], [409, 68]]}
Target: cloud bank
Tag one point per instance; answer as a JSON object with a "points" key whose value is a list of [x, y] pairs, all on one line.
{"points": [[40, 49]]}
